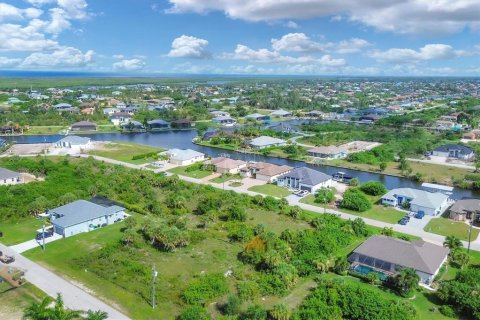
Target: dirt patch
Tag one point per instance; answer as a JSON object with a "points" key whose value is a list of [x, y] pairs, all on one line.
{"points": [[28, 149]]}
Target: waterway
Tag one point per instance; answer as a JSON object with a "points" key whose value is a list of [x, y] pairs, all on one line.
{"points": [[183, 140]]}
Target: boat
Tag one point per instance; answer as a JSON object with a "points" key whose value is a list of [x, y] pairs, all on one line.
{"points": [[341, 177]]}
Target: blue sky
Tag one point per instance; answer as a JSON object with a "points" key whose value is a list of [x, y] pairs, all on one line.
{"points": [[312, 37]]}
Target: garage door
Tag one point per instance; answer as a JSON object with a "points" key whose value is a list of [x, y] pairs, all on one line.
{"points": [[309, 189]]}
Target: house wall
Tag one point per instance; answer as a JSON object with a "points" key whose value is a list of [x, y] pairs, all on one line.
{"points": [[387, 202], [186, 162], [427, 211], [11, 181], [313, 189], [85, 226]]}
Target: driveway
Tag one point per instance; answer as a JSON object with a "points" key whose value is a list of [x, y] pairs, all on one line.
{"points": [[31, 244], [74, 296]]}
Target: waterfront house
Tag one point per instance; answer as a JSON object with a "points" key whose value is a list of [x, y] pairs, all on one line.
{"points": [[226, 165], [389, 255], [281, 113], [119, 118], [465, 209], [158, 124], [264, 171], [226, 121], [217, 113], [9, 177], [132, 125], [84, 216], [184, 157], [284, 127], [305, 179], [456, 151], [257, 117], [327, 152], [75, 143], [314, 114], [266, 142], [84, 126], [181, 124], [419, 201]]}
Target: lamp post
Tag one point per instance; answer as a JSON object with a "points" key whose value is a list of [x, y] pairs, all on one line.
{"points": [[154, 280], [472, 219]]}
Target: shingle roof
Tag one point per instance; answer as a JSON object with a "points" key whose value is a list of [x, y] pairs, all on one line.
{"points": [[274, 170], [84, 124], [307, 176], [158, 121], [420, 197], [280, 112], [227, 163], [420, 255], [80, 211], [75, 140], [466, 205], [447, 147], [255, 116], [8, 174]]}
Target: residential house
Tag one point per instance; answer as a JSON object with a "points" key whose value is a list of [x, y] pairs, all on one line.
{"points": [[119, 118], [227, 166], [305, 179], [465, 209], [217, 113], [389, 255], [9, 177], [158, 124], [132, 125], [472, 135], [264, 171], [328, 152], [110, 111], [84, 126], [75, 143], [284, 127], [66, 108], [314, 114], [84, 216], [226, 121], [456, 151], [420, 201], [281, 113], [181, 124], [183, 157], [266, 142], [370, 118], [257, 117]]}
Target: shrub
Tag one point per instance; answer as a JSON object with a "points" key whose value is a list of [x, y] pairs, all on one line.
{"points": [[373, 188], [232, 306], [325, 195], [447, 311], [194, 313], [355, 200], [204, 288], [254, 312], [247, 290]]}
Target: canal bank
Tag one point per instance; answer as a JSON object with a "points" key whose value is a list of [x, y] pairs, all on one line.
{"points": [[183, 140]]}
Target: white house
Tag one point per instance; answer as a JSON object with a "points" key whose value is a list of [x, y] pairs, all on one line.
{"points": [[184, 157], [8, 177], [227, 166], [456, 151], [305, 179], [84, 216], [226, 121], [421, 201], [266, 142], [281, 113], [119, 118], [75, 143]]}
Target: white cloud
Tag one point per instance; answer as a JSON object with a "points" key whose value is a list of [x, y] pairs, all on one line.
{"points": [[9, 62], [41, 2], [292, 25], [353, 45], [9, 12], [118, 56], [64, 57], [129, 65], [74, 9], [296, 42], [402, 16], [428, 52], [189, 47], [14, 37]]}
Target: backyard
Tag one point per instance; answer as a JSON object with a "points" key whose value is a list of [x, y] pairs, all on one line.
{"points": [[448, 227], [271, 190], [127, 152]]}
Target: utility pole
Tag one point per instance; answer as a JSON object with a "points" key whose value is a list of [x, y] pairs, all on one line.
{"points": [[43, 236], [472, 219], [154, 280]]}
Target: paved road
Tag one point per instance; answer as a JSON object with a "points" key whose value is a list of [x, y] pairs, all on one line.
{"points": [[74, 297]]}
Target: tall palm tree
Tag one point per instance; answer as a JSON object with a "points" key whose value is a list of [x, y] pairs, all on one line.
{"points": [[38, 310], [59, 312], [452, 243], [96, 315], [406, 280]]}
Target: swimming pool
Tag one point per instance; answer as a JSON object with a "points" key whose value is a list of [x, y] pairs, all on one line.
{"points": [[366, 270]]}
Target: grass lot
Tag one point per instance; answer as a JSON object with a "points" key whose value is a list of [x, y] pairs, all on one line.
{"points": [[447, 227], [197, 174], [125, 152], [377, 212], [176, 270], [226, 177], [19, 231], [271, 190], [14, 301], [44, 130]]}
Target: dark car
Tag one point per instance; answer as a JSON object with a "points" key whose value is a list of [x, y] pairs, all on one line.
{"points": [[403, 221], [42, 235], [419, 215]]}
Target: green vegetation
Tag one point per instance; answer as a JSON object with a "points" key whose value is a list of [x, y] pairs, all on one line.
{"points": [[19, 230], [448, 227], [226, 177], [373, 188], [355, 200], [196, 171], [15, 300], [128, 152], [271, 190]]}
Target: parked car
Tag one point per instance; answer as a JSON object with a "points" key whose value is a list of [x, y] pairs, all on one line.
{"points": [[6, 259], [419, 215], [41, 235], [403, 221]]}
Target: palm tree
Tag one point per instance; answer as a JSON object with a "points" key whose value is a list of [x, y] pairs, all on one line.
{"points": [[96, 315], [38, 310], [452, 243], [461, 258], [60, 313], [406, 281]]}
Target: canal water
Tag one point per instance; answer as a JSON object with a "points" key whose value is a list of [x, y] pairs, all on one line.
{"points": [[183, 140]]}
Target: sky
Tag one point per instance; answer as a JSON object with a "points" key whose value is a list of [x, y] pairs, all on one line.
{"points": [[274, 37]]}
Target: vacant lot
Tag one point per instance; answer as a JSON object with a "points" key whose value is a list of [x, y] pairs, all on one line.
{"points": [[271, 190], [447, 227], [126, 152], [15, 300], [18, 231], [188, 172]]}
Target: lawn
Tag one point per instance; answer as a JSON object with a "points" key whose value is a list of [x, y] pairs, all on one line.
{"points": [[377, 212], [15, 300], [18, 231], [126, 152], [44, 130], [226, 177], [197, 174], [447, 227], [271, 190]]}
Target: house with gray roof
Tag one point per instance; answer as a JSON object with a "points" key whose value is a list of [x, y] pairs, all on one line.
{"points": [[281, 113], [9, 177], [257, 117], [456, 151], [465, 209], [74, 142], [226, 121], [420, 201], [158, 124], [84, 216], [305, 179], [184, 157], [389, 255], [266, 142]]}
